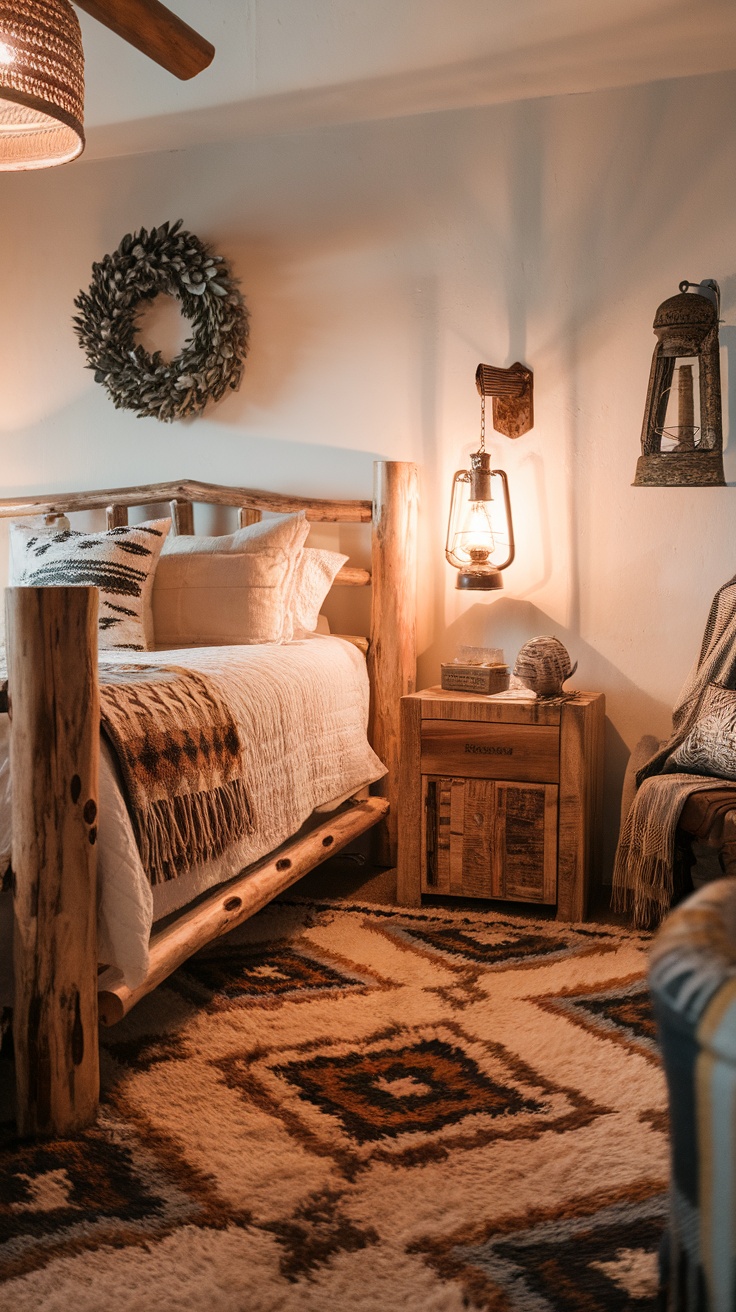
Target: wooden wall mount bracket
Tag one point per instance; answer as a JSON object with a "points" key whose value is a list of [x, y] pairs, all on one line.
{"points": [[512, 391]]}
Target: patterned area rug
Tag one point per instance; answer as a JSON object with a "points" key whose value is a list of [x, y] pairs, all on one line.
{"points": [[354, 1109]]}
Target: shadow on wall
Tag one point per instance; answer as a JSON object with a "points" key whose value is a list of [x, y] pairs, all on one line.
{"points": [[509, 623]]}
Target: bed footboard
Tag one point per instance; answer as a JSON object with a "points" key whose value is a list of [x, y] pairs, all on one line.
{"points": [[55, 719]]}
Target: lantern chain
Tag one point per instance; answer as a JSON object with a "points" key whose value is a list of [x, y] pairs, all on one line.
{"points": [[482, 422]]}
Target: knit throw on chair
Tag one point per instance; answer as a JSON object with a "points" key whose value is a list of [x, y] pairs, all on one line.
{"points": [[643, 871], [180, 761]]}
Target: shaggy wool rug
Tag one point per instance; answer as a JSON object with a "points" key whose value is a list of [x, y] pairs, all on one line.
{"points": [[347, 1109]]}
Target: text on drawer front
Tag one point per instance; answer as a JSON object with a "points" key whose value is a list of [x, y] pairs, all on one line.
{"points": [[524, 752], [488, 750]]}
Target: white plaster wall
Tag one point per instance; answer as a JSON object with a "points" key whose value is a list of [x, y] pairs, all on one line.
{"points": [[381, 262]]}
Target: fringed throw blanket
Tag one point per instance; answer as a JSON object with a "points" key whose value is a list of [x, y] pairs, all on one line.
{"points": [[180, 760], [643, 872]]}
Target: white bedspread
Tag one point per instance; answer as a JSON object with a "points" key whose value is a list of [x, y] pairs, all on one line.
{"points": [[302, 714]]}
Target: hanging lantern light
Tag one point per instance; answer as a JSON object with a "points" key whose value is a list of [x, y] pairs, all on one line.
{"points": [[682, 433], [41, 84], [480, 533]]}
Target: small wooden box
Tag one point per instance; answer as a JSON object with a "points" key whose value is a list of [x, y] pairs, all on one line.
{"points": [[484, 679]]}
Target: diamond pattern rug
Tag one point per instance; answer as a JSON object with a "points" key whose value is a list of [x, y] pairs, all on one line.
{"points": [[352, 1109]]}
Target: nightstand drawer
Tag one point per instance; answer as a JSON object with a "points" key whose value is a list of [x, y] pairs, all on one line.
{"points": [[529, 753]]}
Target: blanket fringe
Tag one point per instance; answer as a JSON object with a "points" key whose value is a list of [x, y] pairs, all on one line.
{"points": [[643, 887], [171, 828]]}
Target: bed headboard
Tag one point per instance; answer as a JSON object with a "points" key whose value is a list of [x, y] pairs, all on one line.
{"points": [[392, 514]]}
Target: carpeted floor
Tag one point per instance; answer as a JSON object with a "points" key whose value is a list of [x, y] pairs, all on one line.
{"points": [[346, 1108]]}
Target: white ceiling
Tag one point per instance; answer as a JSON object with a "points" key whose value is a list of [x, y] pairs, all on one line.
{"points": [[285, 64]]}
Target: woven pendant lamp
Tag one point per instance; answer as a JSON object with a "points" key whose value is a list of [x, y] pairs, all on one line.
{"points": [[41, 84]]}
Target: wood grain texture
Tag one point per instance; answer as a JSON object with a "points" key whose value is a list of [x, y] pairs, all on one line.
{"points": [[527, 752], [488, 839], [247, 515], [443, 704], [356, 639], [527, 842], [156, 32], [410, 838], [116, 516], [727, 843], [350, 576], [581, 795], [54, 744], [182, 517], [234, 903], [473, 825], [392, 652], [212, 494]]}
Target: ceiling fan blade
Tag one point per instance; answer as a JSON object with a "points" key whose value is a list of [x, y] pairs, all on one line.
{"points": [[155, 31]]}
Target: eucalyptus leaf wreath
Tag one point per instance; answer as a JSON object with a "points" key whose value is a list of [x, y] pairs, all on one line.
{"points": [[166, 259]]}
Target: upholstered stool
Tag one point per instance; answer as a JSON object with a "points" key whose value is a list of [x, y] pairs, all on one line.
{"points": [[693, 984]]}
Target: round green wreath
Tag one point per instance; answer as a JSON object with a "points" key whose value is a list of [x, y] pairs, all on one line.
{"points": [[166, 259]]}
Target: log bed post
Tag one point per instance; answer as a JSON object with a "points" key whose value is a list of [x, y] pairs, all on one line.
{"points": [[392, 651], [54, 744]]}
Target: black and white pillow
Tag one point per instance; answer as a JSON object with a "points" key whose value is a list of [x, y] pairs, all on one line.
{"points": [[710, 746], [120, 562]]}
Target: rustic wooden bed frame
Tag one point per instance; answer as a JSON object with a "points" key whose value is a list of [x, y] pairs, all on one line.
{"points": [[54, 717]]}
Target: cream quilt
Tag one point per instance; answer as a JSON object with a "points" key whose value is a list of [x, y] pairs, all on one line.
{"points": [[302, 712]]}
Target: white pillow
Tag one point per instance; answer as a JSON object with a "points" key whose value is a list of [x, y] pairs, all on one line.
{"points": [[121, 562], [228, 590], [315, 575]]}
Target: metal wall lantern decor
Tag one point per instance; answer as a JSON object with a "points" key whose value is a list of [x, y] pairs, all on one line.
{"points": [[480, 531], [682, 433]]}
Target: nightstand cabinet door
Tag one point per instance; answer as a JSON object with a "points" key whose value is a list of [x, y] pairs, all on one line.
{"points": [[489, 838]]}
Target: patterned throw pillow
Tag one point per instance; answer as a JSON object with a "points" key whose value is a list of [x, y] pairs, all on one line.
{"points": [[120, 562], [710, 746]]}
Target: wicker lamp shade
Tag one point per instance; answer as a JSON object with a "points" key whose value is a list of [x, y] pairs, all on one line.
{"points": [[41, 84]]}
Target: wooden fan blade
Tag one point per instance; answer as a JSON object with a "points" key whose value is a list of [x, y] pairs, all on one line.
{"points": [[156, 32]]}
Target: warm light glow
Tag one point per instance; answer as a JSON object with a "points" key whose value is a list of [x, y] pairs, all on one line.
{"points": [[41, 84], [480, 535], [476, 533]]}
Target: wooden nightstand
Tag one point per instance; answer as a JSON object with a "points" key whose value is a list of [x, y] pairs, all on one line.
{"points": [[500, 799]]}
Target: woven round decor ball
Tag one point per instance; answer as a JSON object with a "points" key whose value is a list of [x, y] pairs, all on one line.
{"points": [[543, 665], [170, 260]]}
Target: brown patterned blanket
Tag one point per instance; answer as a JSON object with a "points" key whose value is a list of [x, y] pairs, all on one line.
{"points": [[180, 761]]}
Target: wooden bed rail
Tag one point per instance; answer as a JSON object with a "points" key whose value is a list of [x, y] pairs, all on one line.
{"points": [[183, 494], [229, 905]]}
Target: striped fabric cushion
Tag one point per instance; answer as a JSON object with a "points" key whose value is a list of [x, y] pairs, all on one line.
{"points": [[120, 562]]}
